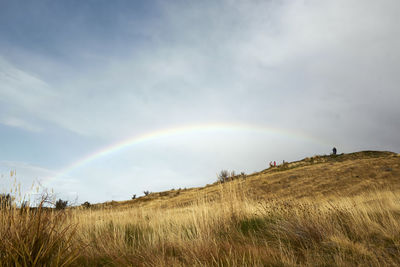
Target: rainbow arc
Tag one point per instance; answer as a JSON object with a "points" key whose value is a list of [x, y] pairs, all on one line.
{"points": [[182, 130]]}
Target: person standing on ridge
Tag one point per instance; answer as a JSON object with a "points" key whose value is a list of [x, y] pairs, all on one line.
{"points": [[274, 163], [334, 151]]}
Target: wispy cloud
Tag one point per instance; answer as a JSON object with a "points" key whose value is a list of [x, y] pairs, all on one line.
{"points": [[16, 122]]}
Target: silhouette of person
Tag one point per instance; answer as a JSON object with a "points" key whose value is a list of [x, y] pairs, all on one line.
{"points": [[274, 163], [334, 151]]}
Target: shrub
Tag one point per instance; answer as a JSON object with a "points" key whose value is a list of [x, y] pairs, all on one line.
{"points": [[223, 176], [86, 204], [146, 193], [61, 204]]}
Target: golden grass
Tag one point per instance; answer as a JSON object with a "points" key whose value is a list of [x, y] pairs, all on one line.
{"points": [[36, 237], [234, 224], [364, 230], [315, 177]]}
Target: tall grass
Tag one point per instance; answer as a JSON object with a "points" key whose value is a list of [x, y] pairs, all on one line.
{"points": [[233, 231], [238, 232], [36, 237]]}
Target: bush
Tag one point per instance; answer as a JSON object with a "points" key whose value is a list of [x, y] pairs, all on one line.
{"points": [[61, 204], [86, 205], [146, 193], [223, 176]]}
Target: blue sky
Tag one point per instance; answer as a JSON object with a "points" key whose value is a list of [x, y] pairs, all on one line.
{"points": [[78, 76]]}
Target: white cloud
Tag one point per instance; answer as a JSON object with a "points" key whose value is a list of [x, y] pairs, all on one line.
{"points": [[16, 122], [22, 88]]}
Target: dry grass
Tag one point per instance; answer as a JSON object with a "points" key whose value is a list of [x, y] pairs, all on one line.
{"points": [[36, 237], [233, 224], [316, 177], [363, 230]]}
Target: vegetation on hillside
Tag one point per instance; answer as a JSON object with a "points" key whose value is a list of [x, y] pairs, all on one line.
{"points": [[294, 217]]}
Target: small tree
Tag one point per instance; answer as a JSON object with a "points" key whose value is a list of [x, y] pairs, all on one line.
{"points": [[223, 176], [61, 204]]}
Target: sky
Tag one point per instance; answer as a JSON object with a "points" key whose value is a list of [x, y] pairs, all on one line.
{"points": [[100, 100]]}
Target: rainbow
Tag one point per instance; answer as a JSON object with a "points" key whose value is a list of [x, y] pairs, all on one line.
{"points": [[187, 129]]}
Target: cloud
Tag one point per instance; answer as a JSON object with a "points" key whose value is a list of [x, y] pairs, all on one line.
{"points": [[15, 122], [266, 62], [326, 68], [22, 95]]}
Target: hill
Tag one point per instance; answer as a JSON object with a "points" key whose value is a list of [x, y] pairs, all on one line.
{"points": [[317, 177], [341, 210]]}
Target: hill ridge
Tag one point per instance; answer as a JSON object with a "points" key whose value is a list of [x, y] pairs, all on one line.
{"points": [[325, 175]]}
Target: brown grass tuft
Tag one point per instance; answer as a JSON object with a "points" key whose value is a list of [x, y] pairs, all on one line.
{"points": [[37, 237]]}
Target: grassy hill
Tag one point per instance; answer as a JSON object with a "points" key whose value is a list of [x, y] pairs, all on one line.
{"points": [[341, 210], [316, 177]]}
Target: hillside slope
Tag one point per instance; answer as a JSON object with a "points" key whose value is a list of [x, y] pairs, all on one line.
{"points": [[339, 210], [314, 177]]}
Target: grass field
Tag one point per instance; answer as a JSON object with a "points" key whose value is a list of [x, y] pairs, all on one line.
{"points": [[321, 211]]}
